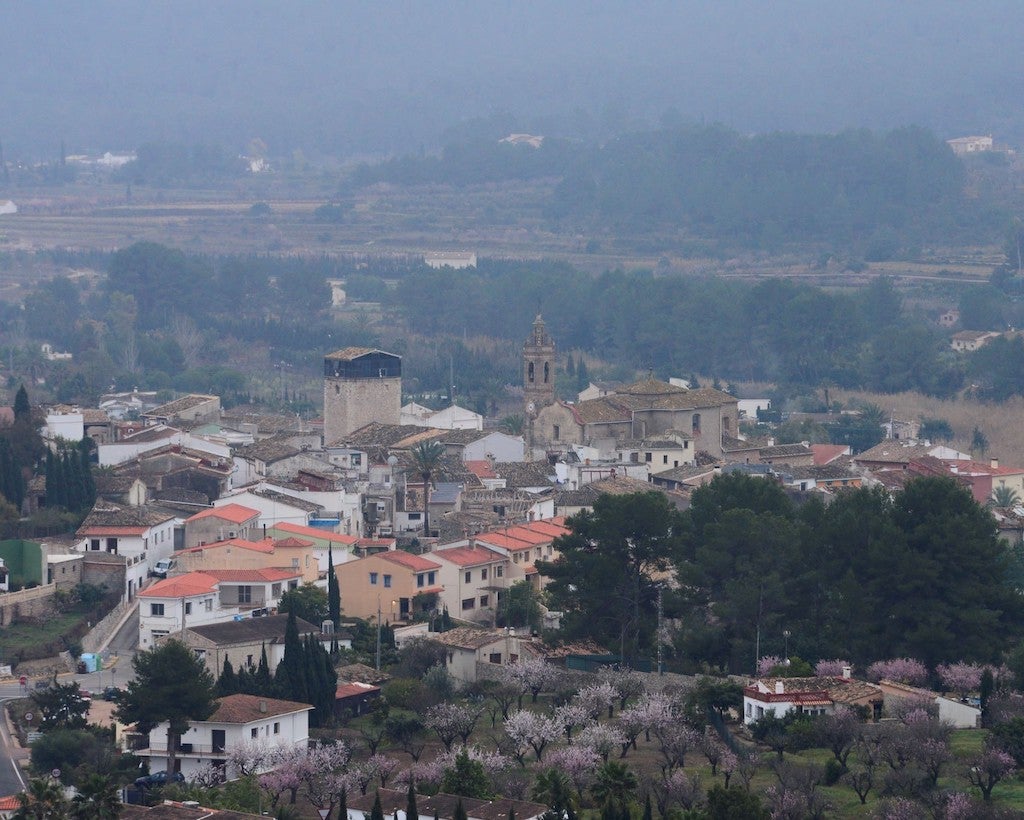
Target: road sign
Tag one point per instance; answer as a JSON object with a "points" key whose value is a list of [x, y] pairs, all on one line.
{"points": [[23, 680], [28, 717], [323, 813]]}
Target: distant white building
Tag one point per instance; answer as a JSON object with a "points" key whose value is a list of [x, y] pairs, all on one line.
{"points": [[970, 145], [238, 719], [450, 259], [7, 206], [449, 418]]}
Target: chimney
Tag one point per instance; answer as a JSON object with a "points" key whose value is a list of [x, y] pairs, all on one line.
{"points": [[780, 689], [846, 672], [263, 707], [994, 463]]}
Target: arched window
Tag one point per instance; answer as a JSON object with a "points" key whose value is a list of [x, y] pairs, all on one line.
{"points": [[529, 372], [547, 372], [696, 423]]}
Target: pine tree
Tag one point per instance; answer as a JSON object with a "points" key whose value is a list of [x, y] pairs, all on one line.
{"points": [[460, 811], [582, 376]]}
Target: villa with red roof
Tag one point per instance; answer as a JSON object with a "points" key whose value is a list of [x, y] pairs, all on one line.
{"points": [[473, 577], [341, 546], [221, 523], [396, 583], [212, 596], [524, 545], [291, 553]]}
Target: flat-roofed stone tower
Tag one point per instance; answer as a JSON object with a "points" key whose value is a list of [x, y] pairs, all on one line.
{"points": [[360, 385]]}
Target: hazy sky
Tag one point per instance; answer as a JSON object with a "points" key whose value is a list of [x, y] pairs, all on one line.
{"points": [[345, 78]]}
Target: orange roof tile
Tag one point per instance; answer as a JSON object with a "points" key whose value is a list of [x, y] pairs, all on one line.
{"points": [[256, 546], [235, 513], [315, 532], [247, 708], [182, 586], [114, 531], [417, 563], [267, 574], [9, 803], [468, 556], [481, 469], [293, 542]]}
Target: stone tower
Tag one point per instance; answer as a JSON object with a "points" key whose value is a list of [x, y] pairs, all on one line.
{"points": [[360, 385], [538, 369]]}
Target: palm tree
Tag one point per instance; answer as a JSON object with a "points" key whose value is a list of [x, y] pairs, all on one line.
{"points": [[97, 799], [554, 790], [42, 800], [616, 783], [513, 425], [1004, 498], [426, 457]]}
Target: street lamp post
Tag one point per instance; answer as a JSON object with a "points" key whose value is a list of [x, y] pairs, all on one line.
{"points": [[785, 634]]}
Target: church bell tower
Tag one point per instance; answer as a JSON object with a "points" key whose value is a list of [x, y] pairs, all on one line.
{"points": [[538, 369]]}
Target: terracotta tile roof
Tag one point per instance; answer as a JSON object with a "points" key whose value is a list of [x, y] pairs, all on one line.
{"points": [[269, 628], [9, 803], [417, 563], [266, 545], [360, 672], [254, 575], [827, 453], [964, 467], [391, 801], [468, 556], [268, 451], [378, 543], [182, 586], [650, 387], [180, 405], [315, 532], [467, 637], [350, 690], [247, 708], [786, 451], [376, 434], [105, 514], [601, 411], [293, 542], [526, 473], [481, 469], [894, 452], [235, 513], [113, 531]]}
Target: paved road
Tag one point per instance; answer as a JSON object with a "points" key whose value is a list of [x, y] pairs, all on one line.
{"points": [[11, 781]]}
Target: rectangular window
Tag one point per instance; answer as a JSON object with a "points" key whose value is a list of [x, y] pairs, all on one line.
{"points": [[94, 544], [469, 576], [275, 590], [431, 578], [293, 585], [209, 604], [420, 580], [483, 600], [245, 595], [647, 456], [557, 433], [277, 727], [295, 563], [495, 657], [373, 579], [357, 459], [483, 574], [112, 545], [499, 571], [664, 459], [254, 733], [468, 603], [156, 610], [387, 582], [188, 607]]}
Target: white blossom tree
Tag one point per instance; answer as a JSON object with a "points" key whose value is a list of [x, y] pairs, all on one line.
{"points": [[533, 729], [571, 716], [597, 699], [602, 738], [579, 763], [533, 675], [451, 721]]}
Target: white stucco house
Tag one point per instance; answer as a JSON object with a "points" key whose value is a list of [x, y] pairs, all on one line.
{"points": [[808, 696], [238, 719]]}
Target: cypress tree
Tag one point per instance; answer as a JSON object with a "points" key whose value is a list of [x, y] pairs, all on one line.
{"points": [[411, 812], [460, 811], [333, 600], [343, 804], [264, 681], [648, 813], [52, 493], [377, 812], [227, 683], [290, 679], [88, 482], [22, 409]]}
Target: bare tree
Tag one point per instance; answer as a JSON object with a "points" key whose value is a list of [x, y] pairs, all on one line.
{"points": [[188, 337]]}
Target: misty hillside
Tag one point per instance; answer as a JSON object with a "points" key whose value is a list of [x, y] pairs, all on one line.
{"points": [[344, 80]]}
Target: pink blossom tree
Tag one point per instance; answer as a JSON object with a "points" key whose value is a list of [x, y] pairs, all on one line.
{"points": [[991, 767], [767, 663], [626, 683], [959, 806], [675, 739], [900, 808], [602, 738], [579, 764], [291, 767], [712, 748], [831, 668], [533, 729], [728, 764], [451, 721], [657, 709], [962, 678], [571, 716], [597, 699], [532, 675], [632, 722], [250, 757], [675, 789], [900, 670], [207, 776]]}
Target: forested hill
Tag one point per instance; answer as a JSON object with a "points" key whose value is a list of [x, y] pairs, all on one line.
{"points": [[711, 182]]}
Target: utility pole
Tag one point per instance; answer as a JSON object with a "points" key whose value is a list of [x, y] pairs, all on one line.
{"points": [[661, 616], [378, 633]]}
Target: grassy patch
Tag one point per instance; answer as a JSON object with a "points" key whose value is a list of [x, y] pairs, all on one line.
{"points": [[23, 636]]}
